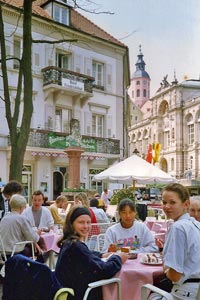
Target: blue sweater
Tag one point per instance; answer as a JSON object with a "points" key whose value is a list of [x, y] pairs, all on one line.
{"points": [[77, 266]]}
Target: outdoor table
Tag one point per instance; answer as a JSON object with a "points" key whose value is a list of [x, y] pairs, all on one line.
{"points": [[133, 275], [49, 240], [150, 223]]}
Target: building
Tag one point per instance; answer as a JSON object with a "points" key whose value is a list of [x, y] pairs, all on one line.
{"points": [[79, 96], [174, 123]]}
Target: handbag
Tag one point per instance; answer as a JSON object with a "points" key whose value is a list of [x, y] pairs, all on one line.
{"points": [[163, 283]]}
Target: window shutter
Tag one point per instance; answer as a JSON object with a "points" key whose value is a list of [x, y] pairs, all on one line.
{"points": [[88, 67], [109, 126], [109, 77], [88, 123], [78, 64]]}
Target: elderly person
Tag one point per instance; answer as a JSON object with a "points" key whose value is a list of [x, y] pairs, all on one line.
{"points": [[194, 208], [15, 227], [61, 201], [129, 232]]}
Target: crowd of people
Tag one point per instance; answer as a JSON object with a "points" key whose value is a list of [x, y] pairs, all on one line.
{"points": [[77, 265]]}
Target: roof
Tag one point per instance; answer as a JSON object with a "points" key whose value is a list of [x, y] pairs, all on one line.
{"points": [[140, 74], [78, 21]]}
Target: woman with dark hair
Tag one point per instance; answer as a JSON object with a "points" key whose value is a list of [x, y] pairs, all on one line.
{"points": [[182, 245], [77, 266], [130, 232]]}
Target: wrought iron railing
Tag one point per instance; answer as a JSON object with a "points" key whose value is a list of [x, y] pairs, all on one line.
{"points": [[74, 80], [48, 139]]}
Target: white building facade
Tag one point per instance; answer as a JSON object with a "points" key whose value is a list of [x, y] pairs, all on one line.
{"points": [[174, 122], [83, 81]]}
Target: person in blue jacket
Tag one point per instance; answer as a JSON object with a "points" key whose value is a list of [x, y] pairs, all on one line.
{"points": [[77, 266]]}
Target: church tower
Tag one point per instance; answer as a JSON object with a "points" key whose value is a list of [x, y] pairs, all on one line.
{"points": [[139, 90]]}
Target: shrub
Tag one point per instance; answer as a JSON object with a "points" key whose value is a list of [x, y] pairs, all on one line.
{"points": [[121, 194]]}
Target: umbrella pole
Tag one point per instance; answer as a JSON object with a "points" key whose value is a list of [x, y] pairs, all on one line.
{"points": [[134, 183]]}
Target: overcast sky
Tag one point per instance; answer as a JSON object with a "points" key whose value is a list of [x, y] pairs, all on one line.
{"points": [[168, 30]]}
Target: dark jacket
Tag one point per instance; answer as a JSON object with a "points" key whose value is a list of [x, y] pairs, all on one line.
{"points": [[77, 266], [27, 279]]}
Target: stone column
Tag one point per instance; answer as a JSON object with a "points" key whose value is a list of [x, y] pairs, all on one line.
{"points": [[74, 155]]}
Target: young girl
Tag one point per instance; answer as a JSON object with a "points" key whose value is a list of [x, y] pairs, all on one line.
{"points": [[130, 232], [182, 245], [77, 265]]}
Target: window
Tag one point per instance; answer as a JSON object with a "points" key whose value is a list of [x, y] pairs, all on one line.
{"points": [[62, 120], [63, 60], [138, 93], [144, 93], [97, 125], [166, 139], [132, 94], [17, 52], [61, 14], [137, 82], [173, 133], [172, 164], [98, 73], [190, 134]]}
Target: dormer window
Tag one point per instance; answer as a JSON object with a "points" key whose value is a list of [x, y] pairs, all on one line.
{"points": [[61, 13]]}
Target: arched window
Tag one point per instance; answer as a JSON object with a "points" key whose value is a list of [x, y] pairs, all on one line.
{"points": [[138, 93], [144, 93], [137, 82]]}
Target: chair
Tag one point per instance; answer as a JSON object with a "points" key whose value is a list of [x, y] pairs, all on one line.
{"points": [[63, 292], [24, 243], [100, 242], [40, 281], [156, 227], [149, 287]]}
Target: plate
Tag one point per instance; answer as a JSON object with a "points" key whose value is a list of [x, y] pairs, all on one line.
{"points": [[159, 263]]}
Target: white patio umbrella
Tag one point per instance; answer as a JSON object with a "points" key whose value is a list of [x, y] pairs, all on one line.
{"points": [[134, 169]]}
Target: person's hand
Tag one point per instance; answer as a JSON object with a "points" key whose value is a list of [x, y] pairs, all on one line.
{"points": [[124, 256], [39, 231], [159, 243]]}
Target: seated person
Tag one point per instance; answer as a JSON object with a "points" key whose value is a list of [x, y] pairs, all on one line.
{"points": [[15, 227], [40, 218], [77, 266], [129, 232], [39, 215], [100, 201], [99, 212], [194, 209], [81, 199], [61, 201]]}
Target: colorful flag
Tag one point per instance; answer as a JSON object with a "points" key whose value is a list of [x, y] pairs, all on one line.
{"points": [[156, 154], [149, 154]]}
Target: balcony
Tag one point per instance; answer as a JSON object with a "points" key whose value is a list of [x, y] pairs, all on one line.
{"points": [[74, 82], [54, 140]]}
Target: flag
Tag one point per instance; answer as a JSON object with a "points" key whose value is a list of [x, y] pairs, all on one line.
{"points": [[149, 154], [156, 154]]}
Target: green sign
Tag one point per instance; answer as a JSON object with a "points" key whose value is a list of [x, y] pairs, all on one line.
{"points": [[62, 142]]}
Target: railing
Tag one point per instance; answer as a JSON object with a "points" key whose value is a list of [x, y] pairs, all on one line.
{"points": [[68, 79], [48, 139]]}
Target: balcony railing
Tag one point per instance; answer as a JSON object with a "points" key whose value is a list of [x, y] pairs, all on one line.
{"points": [[54, 140], [66, 78]]}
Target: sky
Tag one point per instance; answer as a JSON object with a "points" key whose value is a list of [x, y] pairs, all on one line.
{"points": [[168, 31]]}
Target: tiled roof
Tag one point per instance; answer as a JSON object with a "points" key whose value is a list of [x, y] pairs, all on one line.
{"points": [[78, 21]]}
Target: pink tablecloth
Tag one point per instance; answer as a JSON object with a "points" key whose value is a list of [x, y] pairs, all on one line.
{"points": [[133, 275], [50, 241]]}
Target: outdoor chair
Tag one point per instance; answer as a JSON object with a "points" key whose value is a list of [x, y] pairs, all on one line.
{"points": [[100, 242], [28, 279], [149, 287]]}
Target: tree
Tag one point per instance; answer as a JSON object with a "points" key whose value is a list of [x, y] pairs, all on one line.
{"points": [[19, 129]]}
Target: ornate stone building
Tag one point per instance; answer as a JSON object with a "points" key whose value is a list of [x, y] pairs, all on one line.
{"points": [[171, 118]]}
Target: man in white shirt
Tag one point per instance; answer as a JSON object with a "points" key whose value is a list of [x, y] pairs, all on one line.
{"points": [[105, 196], [99, 212]]}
